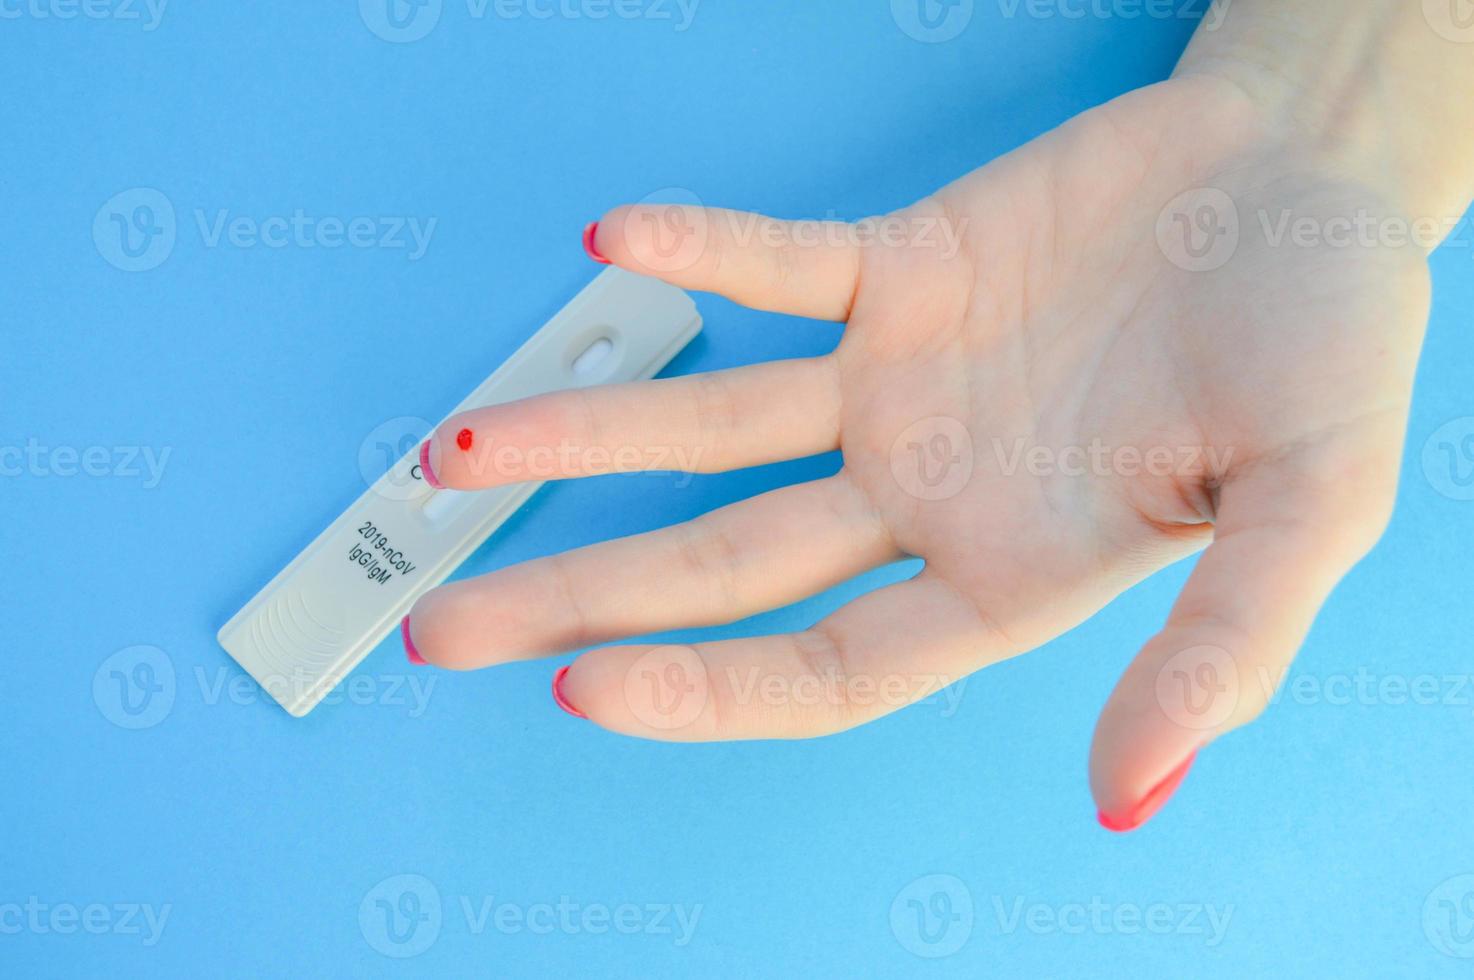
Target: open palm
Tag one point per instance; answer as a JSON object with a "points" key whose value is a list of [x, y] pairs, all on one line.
{"points": [[1089, 359]]}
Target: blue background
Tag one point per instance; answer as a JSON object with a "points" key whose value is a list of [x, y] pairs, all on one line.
{"points": [[1325, 827]]}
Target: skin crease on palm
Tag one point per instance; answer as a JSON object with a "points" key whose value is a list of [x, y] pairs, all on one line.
{"points": [[1061, 321]]}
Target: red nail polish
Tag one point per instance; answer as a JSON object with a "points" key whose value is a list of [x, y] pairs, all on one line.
{"points": [[409, 644], [1149, 804], [588, 243], [463, 439], [558, 697], [425, 469]]}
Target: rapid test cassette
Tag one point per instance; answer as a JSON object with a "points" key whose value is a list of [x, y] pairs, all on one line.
{"points": [[322, 614]]}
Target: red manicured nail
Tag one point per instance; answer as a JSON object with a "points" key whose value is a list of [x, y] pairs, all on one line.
{"points": [[588, 243], [425, 469], [1149, 804], [409, 644], [558, 697]]}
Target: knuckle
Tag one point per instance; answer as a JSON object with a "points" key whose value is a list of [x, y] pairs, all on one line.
{"points": [[713, 410], [712, 558], [785, 261], [578, 626], [821, 654]]}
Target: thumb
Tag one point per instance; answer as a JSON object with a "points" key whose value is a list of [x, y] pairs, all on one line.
{"points": [[1282, 541]]}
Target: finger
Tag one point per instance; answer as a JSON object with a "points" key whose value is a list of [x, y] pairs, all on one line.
{"points": [[731, 563], [881, 652], [703, 423], [808, 268], [1281, 545]]}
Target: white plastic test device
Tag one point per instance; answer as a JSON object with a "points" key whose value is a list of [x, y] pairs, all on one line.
{"points": [[337, 600]]}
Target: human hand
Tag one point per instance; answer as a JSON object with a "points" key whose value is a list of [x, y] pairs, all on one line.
{"points": [[1074, 398]]}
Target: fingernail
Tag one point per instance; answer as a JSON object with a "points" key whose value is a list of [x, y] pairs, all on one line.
{"points": [[425, 469], [1149, 804], [409, 644], [588, 243], [558, 697]]}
